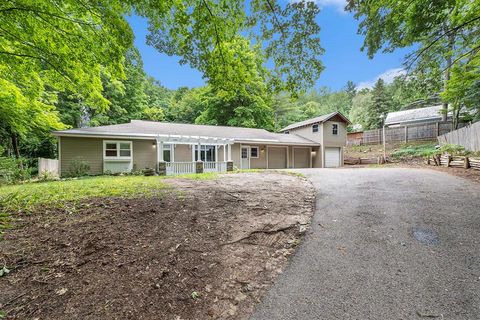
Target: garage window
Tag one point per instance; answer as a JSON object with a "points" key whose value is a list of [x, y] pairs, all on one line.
{"points": [[253, 152], [315, 128], [335, 129]]}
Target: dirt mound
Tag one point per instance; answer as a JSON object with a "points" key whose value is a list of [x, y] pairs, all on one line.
{"points": [[205, 249]]}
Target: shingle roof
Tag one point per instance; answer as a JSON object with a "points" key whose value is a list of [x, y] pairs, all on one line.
{"points": [[152, 128], [319, 119], [428, 113]]}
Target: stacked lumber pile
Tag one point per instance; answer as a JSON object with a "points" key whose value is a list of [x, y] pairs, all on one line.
{"points": [[354, 161], [368, 160], [351, 161], [474, 163], [447, 160], [458, 162], [444, 160]]}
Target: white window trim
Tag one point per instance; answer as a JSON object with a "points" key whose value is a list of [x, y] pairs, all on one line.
{"points": [[118, 157], [203, 151], [338, 127], [258, 152], [318, 128]]}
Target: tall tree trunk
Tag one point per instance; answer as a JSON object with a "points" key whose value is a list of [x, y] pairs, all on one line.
{"points": [[16, 149], [446, 72]]}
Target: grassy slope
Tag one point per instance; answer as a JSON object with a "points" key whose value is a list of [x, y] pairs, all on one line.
{"points": [[414, 148], [26, 197]]}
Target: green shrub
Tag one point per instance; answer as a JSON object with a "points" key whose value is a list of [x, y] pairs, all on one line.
{"points": [[78, 168], [453, 149], [420, 150], [13, 170], [46, 176]]}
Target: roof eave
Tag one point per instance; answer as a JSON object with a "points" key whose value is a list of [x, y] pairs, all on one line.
{"points": [[293, 126]]}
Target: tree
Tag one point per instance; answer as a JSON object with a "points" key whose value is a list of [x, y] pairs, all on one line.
{"points": [[187, 105], [446, 32], [200, 31], [379, 106], [127, 97], [361, 104], [351, 90], [238, 96]]}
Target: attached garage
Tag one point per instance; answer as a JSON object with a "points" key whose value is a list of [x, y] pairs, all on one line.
{"points": [[277, 157], [332, 157], [301, 157]]}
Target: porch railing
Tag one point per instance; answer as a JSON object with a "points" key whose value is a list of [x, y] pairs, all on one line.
{"points": [[180, 167], [212, 166], [189, 167]]}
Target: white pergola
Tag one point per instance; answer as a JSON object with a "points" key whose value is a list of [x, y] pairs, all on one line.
{"points": [[194, 141]]}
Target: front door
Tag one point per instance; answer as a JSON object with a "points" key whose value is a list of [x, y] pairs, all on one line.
{"points": [[245, 155]]}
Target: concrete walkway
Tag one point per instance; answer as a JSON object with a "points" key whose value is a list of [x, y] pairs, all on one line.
{"points": [[385, 243]]}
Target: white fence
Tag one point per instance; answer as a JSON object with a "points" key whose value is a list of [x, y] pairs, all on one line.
{"points": [[48, 166], [468, 137], [215, 166], [180, 167], [189, 167]]}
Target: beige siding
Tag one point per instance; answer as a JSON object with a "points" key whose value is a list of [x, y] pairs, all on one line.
{"points": [[144, 154], [85, 149], [183, 153], [317, 160], [331, 140], [91, 151], [261, 161], [306, 132], [236, 154]]}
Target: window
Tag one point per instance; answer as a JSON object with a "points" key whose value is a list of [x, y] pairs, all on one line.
{"points": [[245, 153], [315, 127], [335, 128], [117, 149], [253, 152], [207, 153], [287, 132], [167, 153]]}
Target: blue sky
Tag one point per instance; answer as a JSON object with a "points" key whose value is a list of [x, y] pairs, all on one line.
{"points": [[343, 59]]}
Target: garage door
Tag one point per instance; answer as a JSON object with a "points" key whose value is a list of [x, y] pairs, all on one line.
{"points": [[332, 157], [277, 157], [301, 157]]}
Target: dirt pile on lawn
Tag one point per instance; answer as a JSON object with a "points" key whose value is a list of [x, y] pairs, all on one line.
{"points": [[206, 249]]}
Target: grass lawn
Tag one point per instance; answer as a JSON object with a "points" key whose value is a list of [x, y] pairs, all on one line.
{"points": [[27, 196]]}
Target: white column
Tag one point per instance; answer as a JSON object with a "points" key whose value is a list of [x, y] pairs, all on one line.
{"points": [[172, 152], [224, 152], [229, 152], [160, 151], [199, 151], [193, 152], [216, 153]]}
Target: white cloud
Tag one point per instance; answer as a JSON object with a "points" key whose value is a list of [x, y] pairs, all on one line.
{"points": [[338, 4], [387, 76]]}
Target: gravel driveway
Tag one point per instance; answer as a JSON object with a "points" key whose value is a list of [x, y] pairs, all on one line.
{"points": [[390, 243]]}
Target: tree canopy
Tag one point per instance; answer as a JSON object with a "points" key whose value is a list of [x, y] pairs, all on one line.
{"points": [[447, 34]]}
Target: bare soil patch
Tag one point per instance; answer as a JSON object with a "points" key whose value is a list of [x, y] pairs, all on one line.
{"points": [[206, 249]]}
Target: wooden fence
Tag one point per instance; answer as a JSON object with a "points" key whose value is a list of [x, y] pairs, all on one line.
{"points": [[468, 137], [426, 131], [48, 165]]}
